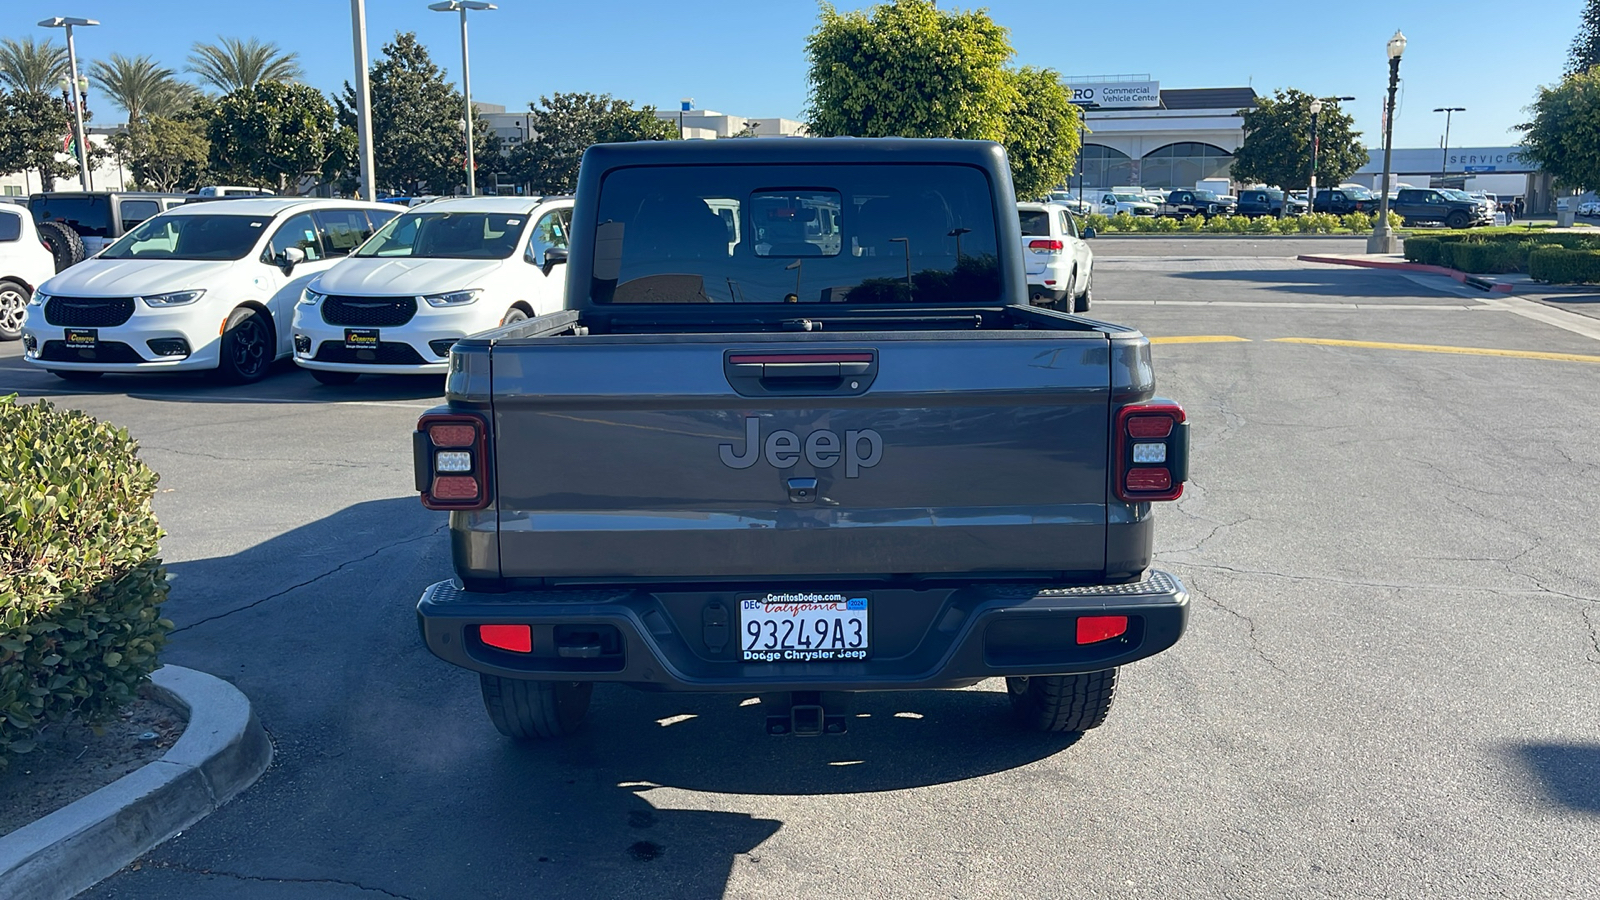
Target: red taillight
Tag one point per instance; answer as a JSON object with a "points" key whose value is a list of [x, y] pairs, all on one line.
{"points": [[1152, 452], [452, 435], [451, 458], [1094, 629], [1148, 480], [1149, 426], [1045, 246], [519, 638], [454, 487]]}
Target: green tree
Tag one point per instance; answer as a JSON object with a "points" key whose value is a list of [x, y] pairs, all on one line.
{"points": [[1277, 142], [1564, 136], [564, 125], [1585, 53], [1041, 132], [231, 64], [34, 126], [140, 85], [164, 154], [276, 135], [32, 67], [908, 69]]}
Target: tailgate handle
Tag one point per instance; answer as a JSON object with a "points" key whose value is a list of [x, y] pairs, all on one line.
{"points": [[760, 373]]}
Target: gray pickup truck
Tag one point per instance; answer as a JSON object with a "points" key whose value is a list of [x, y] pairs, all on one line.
{"points": [[799, 434]]}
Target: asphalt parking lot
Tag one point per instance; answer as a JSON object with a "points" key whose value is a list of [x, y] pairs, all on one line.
{"points": [[1390, 686]]}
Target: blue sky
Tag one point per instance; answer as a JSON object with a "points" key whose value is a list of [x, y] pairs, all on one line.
{"points": [[747, 57]]}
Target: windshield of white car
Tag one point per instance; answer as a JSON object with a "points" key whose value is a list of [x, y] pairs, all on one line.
{"points": [[447, 235], [190, 237]]}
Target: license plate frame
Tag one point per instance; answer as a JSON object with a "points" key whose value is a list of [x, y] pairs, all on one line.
{"points": [[83, 338], [361, 339], [823, 630]]}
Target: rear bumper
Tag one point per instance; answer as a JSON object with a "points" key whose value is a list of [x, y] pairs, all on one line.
{"points": [[932, 638]]}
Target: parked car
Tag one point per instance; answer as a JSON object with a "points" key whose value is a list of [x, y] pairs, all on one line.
{"points": [[1589, 208], [1133, 204], [232, 190], [1071, 202], [1417, 206], [429, 278], [1345, 200], [1182, 204], [1056, 256], [99, 217], [25, 263], [201, 286], [1255, 202], [1485, 208]]}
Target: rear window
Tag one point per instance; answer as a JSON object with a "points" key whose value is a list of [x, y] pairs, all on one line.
{"points": [[1035, 223], [89, 216], [788, 234], [10, 226]]}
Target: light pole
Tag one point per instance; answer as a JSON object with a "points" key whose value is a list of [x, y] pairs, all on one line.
{"points": [[1444, 162], [684, 105], [358, 28], [462, 6], [68, 22], [1316, 109], [1382, 240], [1083, 136]]}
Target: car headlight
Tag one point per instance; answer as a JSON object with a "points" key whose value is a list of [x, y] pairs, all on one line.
{"points": [[311, 298], [453, 298], [175, 298], [39, 298]]}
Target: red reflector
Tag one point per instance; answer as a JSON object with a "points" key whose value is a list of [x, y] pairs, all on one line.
{"points": [[1149, 426], [1146, 480], [1046, 245], [452, 435], [1094, 629], [465, 487], [519, 638]]}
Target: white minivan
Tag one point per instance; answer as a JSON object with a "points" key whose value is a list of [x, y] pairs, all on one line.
{"points": [[440, 272], [200, 286]]}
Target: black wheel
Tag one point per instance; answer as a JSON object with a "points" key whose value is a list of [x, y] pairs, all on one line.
{"points": [[1082, 301], [1458, 219], [513, 315], [334, 378], [534, 710], [64, 244], [13, 305], [75, 374], [248, 347], [1062, 703]]}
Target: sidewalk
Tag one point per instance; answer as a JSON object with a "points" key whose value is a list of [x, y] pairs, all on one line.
{"points": [[1575, 298]]}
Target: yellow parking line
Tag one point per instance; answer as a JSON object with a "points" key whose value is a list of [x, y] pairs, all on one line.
{"points": [[1436, 348], [1199, 339]]}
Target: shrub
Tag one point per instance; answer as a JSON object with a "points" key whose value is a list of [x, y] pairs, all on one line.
{"points": [[1287, 225], [1425, 250], [1261, 225], [1122, 221], [1236, 224], [1356, 221], [1318, 223], [1097, 221], [1216, 225], [1483, 258], [80, 580], [1396, 222], [1144, 224], [1193, 224], [1166, 224], [1558, 265]]}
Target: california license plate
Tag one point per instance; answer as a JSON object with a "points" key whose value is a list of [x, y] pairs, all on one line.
{"points": [[804, 627], [83, 338], [361, 338]]}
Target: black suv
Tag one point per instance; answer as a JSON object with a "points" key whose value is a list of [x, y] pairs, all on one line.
{"points": [[1343, 201], [1419, 205], [1267, 202]]}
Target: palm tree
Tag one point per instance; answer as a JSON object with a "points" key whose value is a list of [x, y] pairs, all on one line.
{"points": [[178, 97], [139, 85], [32, 67], [233, 64]]}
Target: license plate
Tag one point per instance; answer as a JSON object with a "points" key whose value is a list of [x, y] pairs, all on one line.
{"points": [[361, 338], [804, 627], [83, 338]]}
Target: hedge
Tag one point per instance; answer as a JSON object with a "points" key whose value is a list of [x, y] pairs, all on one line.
{"points": [[81, 582], [1425, 250], [1557, 265]]}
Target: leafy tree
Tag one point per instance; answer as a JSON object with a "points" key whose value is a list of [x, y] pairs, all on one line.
{"points": [[140, 85], [231, 64], [1277, 142], [1585, 53], [32, 67], [564, 125], [276, 135], [1041, 132], [164, 154], [907, 69], [1564, 136], [34, 126]]}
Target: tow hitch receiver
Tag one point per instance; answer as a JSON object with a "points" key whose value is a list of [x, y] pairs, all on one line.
{"points": [[805, 716]]}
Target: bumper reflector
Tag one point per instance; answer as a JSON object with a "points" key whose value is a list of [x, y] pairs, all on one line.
{"points": [[519, 638], [465, 487], [1094, 629]]}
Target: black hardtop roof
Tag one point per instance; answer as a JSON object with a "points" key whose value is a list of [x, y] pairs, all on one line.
{"points": [[796, 151]]}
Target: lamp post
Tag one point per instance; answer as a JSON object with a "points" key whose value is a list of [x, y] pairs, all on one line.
{"points": [[1083, 136], [358, 31], [684, 105], [1383, 240], [462, 6], [68, 22], [1444, 161], [1316, 109]]}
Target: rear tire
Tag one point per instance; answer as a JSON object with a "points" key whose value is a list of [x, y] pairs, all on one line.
{"points": [[75, 374], [1081, 303], [334, 378], [64, 244], [535, 710], [13, 306], [248, 347], [513, 315], [1062, 703]]}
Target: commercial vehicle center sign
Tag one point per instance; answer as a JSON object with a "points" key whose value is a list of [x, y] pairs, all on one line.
{"points": [[1117, 93]]}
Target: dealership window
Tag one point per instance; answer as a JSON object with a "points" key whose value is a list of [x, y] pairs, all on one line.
{"points": [[1181, 165], [1104, 167]]}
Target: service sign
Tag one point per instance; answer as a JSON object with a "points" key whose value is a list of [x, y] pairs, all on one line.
{"points": [[1117, 93]]}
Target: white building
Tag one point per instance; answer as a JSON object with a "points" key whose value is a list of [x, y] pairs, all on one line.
{"points": [[709, 124], [108, 176], [1140, 134]]}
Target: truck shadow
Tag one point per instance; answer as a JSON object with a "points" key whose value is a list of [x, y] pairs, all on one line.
{"points": [[1339, 282], [1568, 773], [285, 381]]}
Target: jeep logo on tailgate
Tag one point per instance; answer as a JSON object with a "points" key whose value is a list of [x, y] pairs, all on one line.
{"points": [[822, 449]]}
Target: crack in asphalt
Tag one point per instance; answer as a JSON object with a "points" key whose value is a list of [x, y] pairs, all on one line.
{"points": [[238, 876], [1593, 621], [1250, 626], [313, 580]]}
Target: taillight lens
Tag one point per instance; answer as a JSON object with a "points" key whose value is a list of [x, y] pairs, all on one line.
{"points": [[1044, 246], [1152, 452], [452, 435], [451, 456]]}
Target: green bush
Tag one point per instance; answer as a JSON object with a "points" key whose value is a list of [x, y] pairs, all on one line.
{"points": [[1558, 265], [1484, 258], [1356, 221], [1096, 221], [1193, 224], [1318, 223], [1236, 224], [1166, 224], [1287, 225], [1123, 221], [1424, 250], [1261, 225], [1217, 225], [80, 579], [1143, 224]]}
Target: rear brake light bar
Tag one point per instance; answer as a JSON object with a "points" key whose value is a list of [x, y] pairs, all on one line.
{"points": [[1152, 452], [451, 456]]}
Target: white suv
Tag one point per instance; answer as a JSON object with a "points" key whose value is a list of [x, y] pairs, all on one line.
{"points": [[200, 286], [24, 265], [440, 272], [1059, 263], [1134, 204]]}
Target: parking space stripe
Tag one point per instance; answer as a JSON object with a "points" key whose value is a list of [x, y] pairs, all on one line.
{"points": [[1286, 304], [1199, 339], [1437, 348]]}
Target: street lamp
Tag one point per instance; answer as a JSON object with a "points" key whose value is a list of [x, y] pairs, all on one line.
{"points": [[462, 6], [68, 22], [1316, 109], [1083, 136], [684, 105], [1383, 240], [1444, 162], [358, 31]]}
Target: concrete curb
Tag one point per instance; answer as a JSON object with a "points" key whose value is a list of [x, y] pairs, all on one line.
{"points": [[1477, 281], [222, 751]]}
